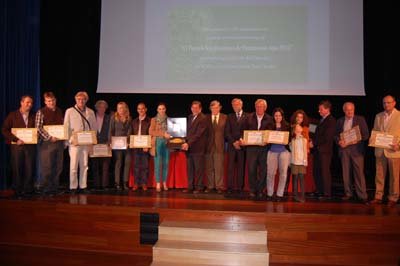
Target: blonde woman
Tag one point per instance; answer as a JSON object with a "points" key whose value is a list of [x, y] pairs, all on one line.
{"points": [[120, 125], [159, 149]]}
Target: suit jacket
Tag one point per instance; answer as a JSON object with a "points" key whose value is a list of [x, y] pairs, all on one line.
{"points": [[324, 135], [234, 128], [197, 134], [358, 148], [393, 128], [15, 120], [216, 134], [103, 136]]}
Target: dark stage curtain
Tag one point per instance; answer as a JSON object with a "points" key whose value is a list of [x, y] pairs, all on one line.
{"points": [[19, 63]]}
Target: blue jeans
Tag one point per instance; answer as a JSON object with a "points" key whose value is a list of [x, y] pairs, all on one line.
{"points": [[161, 160]]}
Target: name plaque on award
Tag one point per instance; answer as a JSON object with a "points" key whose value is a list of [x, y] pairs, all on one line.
{"points": [[176, 128]]}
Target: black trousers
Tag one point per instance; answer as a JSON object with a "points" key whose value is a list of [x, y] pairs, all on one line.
{"points": [[196, 169], [51, 165], [23, 158], [236, 166], [322, 173], [141, 169], [257, 168], [101, 171]]}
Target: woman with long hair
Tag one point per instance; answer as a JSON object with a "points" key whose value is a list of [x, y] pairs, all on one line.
{"points": [[159, 149], [120, 125]]}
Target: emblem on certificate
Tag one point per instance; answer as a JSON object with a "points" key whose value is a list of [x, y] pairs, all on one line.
{"points": [[276, 137], [58, 131], [119, 142], [27, 135], [100, 150], [383, 140], [140, 141], [176, 127], [84, 137], [351, 136], [254, 137]]}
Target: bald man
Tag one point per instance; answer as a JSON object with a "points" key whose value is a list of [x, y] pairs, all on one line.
{"points": [[387, 121]]}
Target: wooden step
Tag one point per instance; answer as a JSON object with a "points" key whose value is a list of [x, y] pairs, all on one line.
{"points": [[163, 263], [210, 253], [213, 232]]}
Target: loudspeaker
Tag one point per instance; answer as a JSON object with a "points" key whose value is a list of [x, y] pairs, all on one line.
{"points": [[149, 228]]}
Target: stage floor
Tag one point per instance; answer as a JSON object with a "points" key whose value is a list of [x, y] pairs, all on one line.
{"points": [[107, 225]]}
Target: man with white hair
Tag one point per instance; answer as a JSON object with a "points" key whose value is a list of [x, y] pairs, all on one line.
{"points": [[79, 118], [257, 155], [352, 154]]}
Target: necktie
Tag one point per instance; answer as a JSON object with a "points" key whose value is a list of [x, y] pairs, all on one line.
{"points": [[215, 120], [237, 116]]}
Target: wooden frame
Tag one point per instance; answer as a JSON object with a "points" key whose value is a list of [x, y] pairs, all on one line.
{"points": [[119, 142], [58, 131], [85, 134], [381, 139], [351, 136], [100, 150], [140, 141], [27, 135], [276, 137], [254, 137]]}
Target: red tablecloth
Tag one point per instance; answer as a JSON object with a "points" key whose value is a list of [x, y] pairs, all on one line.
{"points": [[177, 174]]}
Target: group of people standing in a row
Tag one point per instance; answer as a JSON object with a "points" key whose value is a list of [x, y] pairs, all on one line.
{"points": [[208, 135]]}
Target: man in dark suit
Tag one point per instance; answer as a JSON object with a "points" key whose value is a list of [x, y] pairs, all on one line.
{"points": [[323, 145], [23, 155], [236, 156], [257, 155], [101, 165], [352, 155], [215, 148], [196, 145]]}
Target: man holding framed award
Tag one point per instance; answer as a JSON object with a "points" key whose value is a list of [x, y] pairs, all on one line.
{"points": [[51, 146], [256, 152], [19, 125], [80, 122], [387, 122], [351, 134]]}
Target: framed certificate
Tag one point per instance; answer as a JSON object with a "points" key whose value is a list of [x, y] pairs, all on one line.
{"points": [[100, 150], [84, 137], [140, 141], [27, 135], [119, 143], [312, 128], [176, 127], [254, 137], [57, 131], [351, 136], [276, 137], [380, 139]]}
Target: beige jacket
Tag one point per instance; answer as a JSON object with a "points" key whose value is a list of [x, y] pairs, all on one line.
{"points": [[393, 128], [155, 131]]}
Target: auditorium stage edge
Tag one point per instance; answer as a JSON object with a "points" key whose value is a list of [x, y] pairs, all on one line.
{"points": [[103, 229]]}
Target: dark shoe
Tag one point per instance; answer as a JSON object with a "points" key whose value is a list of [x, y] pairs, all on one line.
{"points": [[346, 198], [375, 202], [84, 191], [391, 203], [324, 198], [252, 195], [278, 199], [187, 191], [117, 187], [73, 191], [269, 198], [207, 190], [196, 191], [126, 187], [220, 191]]}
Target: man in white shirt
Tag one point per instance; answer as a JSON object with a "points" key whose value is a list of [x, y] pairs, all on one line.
{"points": [[79, 118]]}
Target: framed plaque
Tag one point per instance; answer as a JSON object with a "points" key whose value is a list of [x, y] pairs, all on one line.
{"points": [[140, 141], [380, 139], [58, 131], [119, 143], [100, 150], [27, 135], [276, 137], [312, 128], [351, 136], [254, 137], [88, 137], [176, 127]]}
